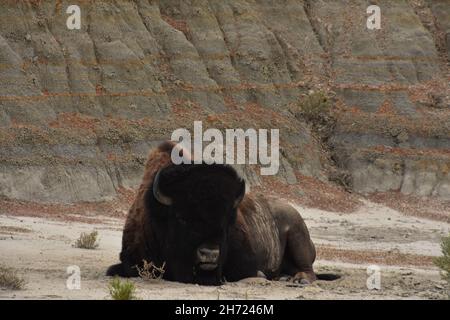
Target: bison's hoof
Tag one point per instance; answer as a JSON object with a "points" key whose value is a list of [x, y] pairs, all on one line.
{"points": [[285, 278], [261, 274], [304, 282], [301, 281]]}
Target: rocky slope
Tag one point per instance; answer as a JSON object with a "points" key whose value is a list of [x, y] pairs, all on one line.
{"points": [[79, 109]]}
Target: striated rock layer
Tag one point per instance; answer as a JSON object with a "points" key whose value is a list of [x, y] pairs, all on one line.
{"points": [[79, 109]]}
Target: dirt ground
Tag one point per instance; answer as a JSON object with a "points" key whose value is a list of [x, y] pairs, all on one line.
{"points": [[403, 246]]}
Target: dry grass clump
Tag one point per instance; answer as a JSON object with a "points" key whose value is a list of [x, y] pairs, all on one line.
{"points": [[150, 271], [87, 240], [9, 279]]}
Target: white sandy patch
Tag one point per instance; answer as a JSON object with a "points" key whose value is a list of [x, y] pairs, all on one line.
{"points": [[43, 254]]}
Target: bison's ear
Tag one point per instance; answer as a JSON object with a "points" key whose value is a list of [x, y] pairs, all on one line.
{"points": [[159, 196], [241, 193]]}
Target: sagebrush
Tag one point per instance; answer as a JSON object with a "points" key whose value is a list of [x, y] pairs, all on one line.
{"points": [[122, 290], [87, 240], [314, 107], [443, 262], [9, 279]]}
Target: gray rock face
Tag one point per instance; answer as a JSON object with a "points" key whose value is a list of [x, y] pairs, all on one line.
{"points": [[79, 109]]}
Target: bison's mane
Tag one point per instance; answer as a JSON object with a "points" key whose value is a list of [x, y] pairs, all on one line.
{"points": [[134, 234]]}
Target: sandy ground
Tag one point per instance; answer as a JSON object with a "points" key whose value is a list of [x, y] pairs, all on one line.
{"points": [[402, 246]]}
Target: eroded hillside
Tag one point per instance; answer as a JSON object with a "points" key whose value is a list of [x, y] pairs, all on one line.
{"points": [[79, 109]]}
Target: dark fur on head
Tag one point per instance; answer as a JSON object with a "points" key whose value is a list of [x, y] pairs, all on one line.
{"points": [[203, 208]]}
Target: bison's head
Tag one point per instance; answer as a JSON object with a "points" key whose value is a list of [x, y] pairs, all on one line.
{"points": [[194, 206]]}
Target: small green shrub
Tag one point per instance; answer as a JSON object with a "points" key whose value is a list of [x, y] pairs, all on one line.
{"points": [[444, 261], [314, 107], [122, 290], [87, 240], [9, 279]]}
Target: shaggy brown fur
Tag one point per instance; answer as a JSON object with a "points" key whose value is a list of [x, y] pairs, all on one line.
{"points": [[268, 235], [133, 235]]}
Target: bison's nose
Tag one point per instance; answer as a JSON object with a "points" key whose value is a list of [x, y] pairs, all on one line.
{"points": [[208, 257]]}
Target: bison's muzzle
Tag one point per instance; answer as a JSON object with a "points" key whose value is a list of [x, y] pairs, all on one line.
{"points": [[208, 257]]}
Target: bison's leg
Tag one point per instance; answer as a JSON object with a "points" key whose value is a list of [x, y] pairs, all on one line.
{"points": [[240, 262], [295, 268], [299, 251], [122, 270], [115, 270]]}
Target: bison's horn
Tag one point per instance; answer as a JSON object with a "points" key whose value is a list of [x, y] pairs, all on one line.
{"points": [[158, 194]]}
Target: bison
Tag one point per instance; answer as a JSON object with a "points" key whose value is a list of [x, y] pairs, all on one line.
{"points": [[198, 220]]}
